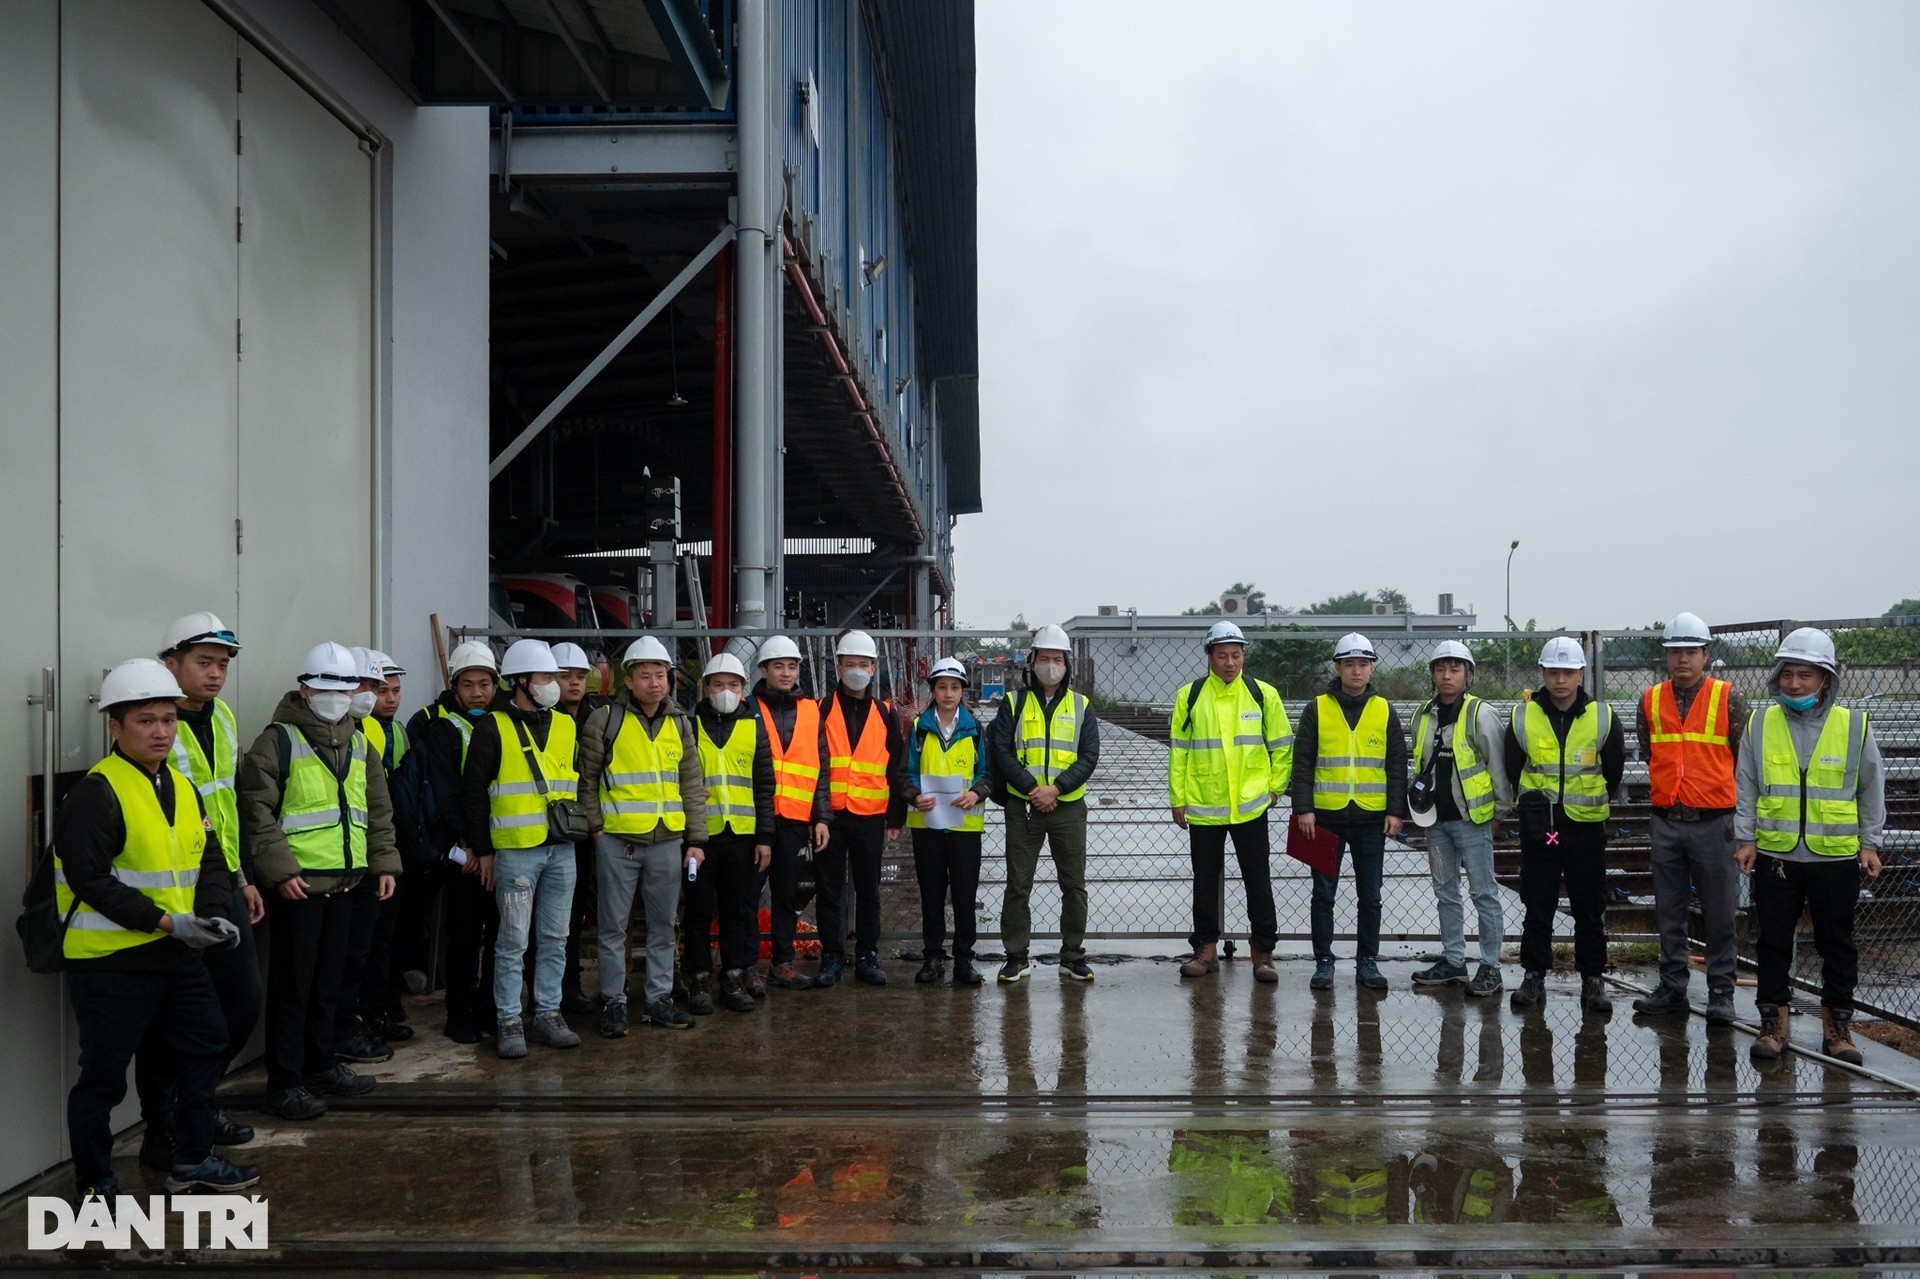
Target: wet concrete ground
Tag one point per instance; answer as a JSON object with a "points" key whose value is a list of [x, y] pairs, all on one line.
{"points": [[1134, 1124]]}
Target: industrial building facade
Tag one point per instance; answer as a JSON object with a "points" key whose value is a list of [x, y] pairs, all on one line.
{"points": [[335, 316]]}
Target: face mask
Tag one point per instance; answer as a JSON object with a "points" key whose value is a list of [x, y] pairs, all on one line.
{"points": [[724, 700], [1050, 672], [360, 705], [856, 679], [1806, 703], [545, 696], [330, 706]]}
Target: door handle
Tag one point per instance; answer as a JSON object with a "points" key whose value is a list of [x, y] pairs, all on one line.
{"points": [[49, 754]]}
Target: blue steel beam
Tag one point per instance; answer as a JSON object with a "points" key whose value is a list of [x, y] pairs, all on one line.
{"points": [[691, 46]]}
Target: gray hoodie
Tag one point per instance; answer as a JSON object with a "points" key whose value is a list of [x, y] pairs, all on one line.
{"points": [[1489, 733], [1805, 727]]}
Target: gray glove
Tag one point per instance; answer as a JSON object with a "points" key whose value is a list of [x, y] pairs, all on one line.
{"points": [[200, 932]]}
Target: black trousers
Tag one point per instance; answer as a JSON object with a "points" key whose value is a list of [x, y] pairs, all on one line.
{"points": [[307, 948], [472, 915], [582, 927], [727, 889], [235, 972], [413, 939], [855, 849], [790, 840], [118, 1011], [1253, 849], [947, 864], [1827, 891], [1579, 858], [354, 967]]}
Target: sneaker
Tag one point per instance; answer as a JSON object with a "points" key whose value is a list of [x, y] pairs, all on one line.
{"points": [[552, 1030], [1664, 1001], [363, 1048], [228, 1132], [1322, 975], [965, 974], [107, 1188], [158, 1146], [510, 1039], [212, 1174], [1442, 974], [391, 1028], [831, 966], [1076, 969], [663, 1014], [787, 977], [613, 1021], [338, 1081], [293, 1103], [1366, 975], [750, 982], [930, 972], [866, 968], [1532, 992], [1015, 969], [1487, 981], [1719, 1008]]}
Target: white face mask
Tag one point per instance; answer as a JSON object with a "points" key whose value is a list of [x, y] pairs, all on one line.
{"points": [[360, 705], [330, 706], [855, 678], [546, 696], [724, 700], [1050, 673]]}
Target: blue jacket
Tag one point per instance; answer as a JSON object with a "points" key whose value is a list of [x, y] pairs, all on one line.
{"points": [[965, 726]]}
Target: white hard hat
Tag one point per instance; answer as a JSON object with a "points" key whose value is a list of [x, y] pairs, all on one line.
{"points": [[1051, 636], [471, 655], [1809, 646], [775, 648], [331, 666], [139, 679], [388, 667], [199, 628], [1354, 644], [529, 657], [1452, 648], [947, 667], [1562, 653], [1224, 633], [645, 649], [856, 644], [571, 657], [369, 663], [724, 664], [1686, 631]]}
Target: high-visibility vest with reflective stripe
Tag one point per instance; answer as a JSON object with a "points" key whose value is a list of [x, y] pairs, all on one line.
{"points": [[796, 766], [1230, 753], [1351, 767], [729, 770], [1690, 758], [1049, 745], [214, 778], [160, 860], [460, 721], [957, 758], [1818, 801], [1569, 772], [1347, 1197], [516, 810], [1476, 783], [324, 817], [389, 741], [857, 771], [640, 789]]}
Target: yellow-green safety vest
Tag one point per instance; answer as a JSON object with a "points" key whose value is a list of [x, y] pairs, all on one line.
{"points": [[1349, 1197], [1569, 772], [160, 860], [1230, 752], [950, 759], [213, 778], [1476, 783], [1229, 1180], [324, 817], [1351, 767], [392, 737], [461, 721], [1818, 801], [1047, 748], [729, 770], [516, 808], [640, 789]]}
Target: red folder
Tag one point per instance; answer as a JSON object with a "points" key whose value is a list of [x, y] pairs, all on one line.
{"points": [[1321, 852]]}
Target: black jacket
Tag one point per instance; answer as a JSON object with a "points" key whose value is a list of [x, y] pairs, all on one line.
{"points": [[440, 739], [89, 833], [718, 728], [483, 765], [1306, 754], [855, 709], [1003, 734], [1613, 751], [779, 717]]}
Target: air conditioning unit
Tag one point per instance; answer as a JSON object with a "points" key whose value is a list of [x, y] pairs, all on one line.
{"points": [[1109, 610], [1446, 605], [1381, 610], [1232, 605]]}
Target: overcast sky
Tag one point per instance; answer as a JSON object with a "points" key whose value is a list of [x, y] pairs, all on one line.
{"points": [[1348, 295]]}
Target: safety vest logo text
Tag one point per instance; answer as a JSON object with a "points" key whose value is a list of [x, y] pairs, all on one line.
{"points": [[206, 1221]]}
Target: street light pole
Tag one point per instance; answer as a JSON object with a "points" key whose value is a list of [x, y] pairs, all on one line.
{"points": [[1514, 546]]}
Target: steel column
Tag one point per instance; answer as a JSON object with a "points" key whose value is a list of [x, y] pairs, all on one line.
{"points": [[751, 480], [720, 614]]}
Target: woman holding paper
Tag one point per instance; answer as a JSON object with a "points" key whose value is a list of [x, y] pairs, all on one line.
{"points": [[946, 785]]}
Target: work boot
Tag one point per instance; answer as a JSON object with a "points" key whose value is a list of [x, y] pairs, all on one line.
{"points": [[1487, 981], [1015, 969], [679, 993], [1205, 961], [751, 983], [1836, 1036], [1263, 969], [1442, 974], [787, 977], [293, 1103], [733, 992], [965, 974], [391, 1027], [1720, 1008], [213, 1175], [932, 970], [1366, 975], [338, 1081], [831, 966], [510, 1039], [1593, 997], [613, 1021], [1774, 1033], [700, 994], [158, 1147], [228, 1132], [866, 968], [552, 1030], [1322, 978], [1532, 992], [1664, 1001]]}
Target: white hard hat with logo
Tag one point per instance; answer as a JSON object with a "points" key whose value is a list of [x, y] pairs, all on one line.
{"points": [[1809, 646], [1053, 637], [856, 644], [775, 648], [1225, 633], [471, 655], [139, 679], [529, 657], [1453, 649], [388, 667], [947, 668], [1354, 644], [199, 628], [571, 657], [370, 667], [724, 664], [331, 667], [1563, 653], [645, 649], [1686, 630]]}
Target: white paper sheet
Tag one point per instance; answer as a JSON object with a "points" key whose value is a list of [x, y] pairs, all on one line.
{"points": [[945, 814]]}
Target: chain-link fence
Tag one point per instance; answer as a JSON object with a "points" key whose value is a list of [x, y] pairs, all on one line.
{"points": [[1138, 871]]}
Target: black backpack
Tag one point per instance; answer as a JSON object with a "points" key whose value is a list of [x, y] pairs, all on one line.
{"points": [[415, 814], [42, 931]]}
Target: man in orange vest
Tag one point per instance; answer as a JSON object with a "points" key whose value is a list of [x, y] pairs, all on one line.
{"points": [[867, 786], [1689, 729], [798, 739]]}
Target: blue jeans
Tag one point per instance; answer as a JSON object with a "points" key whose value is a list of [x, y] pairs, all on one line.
{"points": [[534, 890], [1450, 846], [1366, 843]]}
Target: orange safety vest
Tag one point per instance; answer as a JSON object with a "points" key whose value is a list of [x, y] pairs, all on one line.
{"points": [[857, 772], [796, 766], [1692, 761]]}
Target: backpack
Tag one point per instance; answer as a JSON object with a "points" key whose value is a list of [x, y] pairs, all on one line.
{"points": [[1193, 693], [415, 813], [42, 931]]}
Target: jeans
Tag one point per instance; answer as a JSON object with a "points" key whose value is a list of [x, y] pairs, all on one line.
{"points": [[306, 947], [1253, 849], [1827, 890], [1365, 842], [790, 841], [654, 871], [533, 888], [235, 972], [1452, 846], [1064, 832], [727, 891], [1579, 856], [947, 864], [1699, 854], [856, 848]]}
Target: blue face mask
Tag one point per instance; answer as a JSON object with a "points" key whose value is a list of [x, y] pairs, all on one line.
{"points": [[1806, 703]]}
